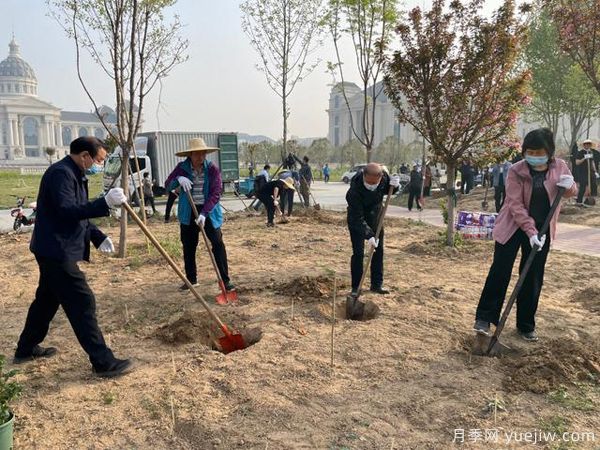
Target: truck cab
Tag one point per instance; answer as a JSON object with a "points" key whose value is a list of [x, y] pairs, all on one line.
{"points": [[112, 167]]}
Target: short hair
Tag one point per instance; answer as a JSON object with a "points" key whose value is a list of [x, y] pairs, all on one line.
{"points": [[146, 174], [541, 138], [88, 144], [267, 167], [306, 159]]}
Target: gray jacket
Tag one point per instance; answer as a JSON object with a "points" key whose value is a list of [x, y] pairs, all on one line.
{"points": [[496, 173]]}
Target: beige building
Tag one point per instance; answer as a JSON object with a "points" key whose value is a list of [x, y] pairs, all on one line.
{"points": [[28, 124]]}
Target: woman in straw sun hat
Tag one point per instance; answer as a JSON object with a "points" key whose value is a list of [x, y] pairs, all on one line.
{"points": [[203, 179]]}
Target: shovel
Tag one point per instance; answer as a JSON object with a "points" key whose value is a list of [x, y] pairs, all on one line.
{"points": [[231, 341], [225, 295], [354, 307], [484, 203], [590, 201], [491, 346]]}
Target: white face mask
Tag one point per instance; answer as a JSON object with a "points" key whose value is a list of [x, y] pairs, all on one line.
{"points": [[370, 187]]}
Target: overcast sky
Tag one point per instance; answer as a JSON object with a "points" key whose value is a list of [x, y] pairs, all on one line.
{"points": [[217, 89]]}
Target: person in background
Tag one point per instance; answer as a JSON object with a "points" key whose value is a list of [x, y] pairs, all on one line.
{"points": [[170, 201], [531, 187], [61, 238], [202, 179], [326, 173], [287, 197], [364, 198], [261, 179], [148, 194], [306, 179], [467, 174], [250, 169], [271, 193], [586, 163], [499, 176], [427, 184], [414, 188], [403, 169]]}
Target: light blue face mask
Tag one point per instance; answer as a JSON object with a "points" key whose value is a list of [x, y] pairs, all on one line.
{"points": [[96, 168], [536, 160]]}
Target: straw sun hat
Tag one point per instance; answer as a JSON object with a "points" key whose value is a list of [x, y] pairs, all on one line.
{"points": [[196, 145], [289, 183]]}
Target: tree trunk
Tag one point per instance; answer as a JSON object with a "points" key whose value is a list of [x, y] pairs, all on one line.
{"points": [[369, 149], [450, 190], [284, 148], [125, 186]]}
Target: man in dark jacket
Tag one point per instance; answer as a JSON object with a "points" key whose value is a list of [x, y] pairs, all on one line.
{"points": [[364, 198], [306, 179], [586, 169], [61, 238]]}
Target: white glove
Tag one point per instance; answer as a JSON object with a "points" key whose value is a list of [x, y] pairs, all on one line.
{"points": [[395, 181], [276, 202], [185, 184], [115, 197], [533, 240], [107, 246], [588, 156], [200, 220], [373, 242], [566, 181]]}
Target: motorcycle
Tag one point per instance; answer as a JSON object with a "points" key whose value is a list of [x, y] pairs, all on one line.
{"points": [[22, 219]]}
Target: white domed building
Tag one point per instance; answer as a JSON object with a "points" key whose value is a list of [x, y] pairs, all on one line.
{"points": [[29, 125]]}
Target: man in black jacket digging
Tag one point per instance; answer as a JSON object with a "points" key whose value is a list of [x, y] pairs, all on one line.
{"points": [[61, 238], [367, 189]]}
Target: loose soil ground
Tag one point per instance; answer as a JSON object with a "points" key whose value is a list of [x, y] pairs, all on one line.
{"points": [[404, 380]]}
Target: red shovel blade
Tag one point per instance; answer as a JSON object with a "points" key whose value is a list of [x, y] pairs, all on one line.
{"points": [[226, 296], [232, 342]]}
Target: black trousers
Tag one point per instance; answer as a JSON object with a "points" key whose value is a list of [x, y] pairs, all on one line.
{"points": [[356, 262], [499, 196], [287, 201], [583, 186], [149, 200], [64, 284], [496, 284], [413, 196], [190, 236], [170, 201], [267, 200]]}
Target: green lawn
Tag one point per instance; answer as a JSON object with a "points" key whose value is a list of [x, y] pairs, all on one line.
{"points": [[13, 185]]}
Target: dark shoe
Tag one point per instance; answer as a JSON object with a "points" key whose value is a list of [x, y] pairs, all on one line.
{"points": [[117, 368], [379, 290], [481, 327], [184, 287], [530, 336], [270, 224], [229, 286], [37, 352]]}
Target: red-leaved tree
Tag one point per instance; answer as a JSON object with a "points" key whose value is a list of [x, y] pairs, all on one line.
{"points": [[454, 79], [578, 23]]}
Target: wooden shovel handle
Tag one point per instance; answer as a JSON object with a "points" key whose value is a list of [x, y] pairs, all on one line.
{"points": [[525, 270], [205, 237], [177, 270], [377, 233]]}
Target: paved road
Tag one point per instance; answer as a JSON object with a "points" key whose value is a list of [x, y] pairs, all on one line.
{"points": [[571, 238]]}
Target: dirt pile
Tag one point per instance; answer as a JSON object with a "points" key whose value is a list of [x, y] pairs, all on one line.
{"points": [[187, 328], [320, 216], [589, 298], [310, 287], [560, 362]]}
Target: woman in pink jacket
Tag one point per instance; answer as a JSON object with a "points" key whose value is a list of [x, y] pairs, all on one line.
{"points": [[531, 187]]}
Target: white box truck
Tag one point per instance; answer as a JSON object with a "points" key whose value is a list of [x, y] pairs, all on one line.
{"points": [[156, 156]]}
